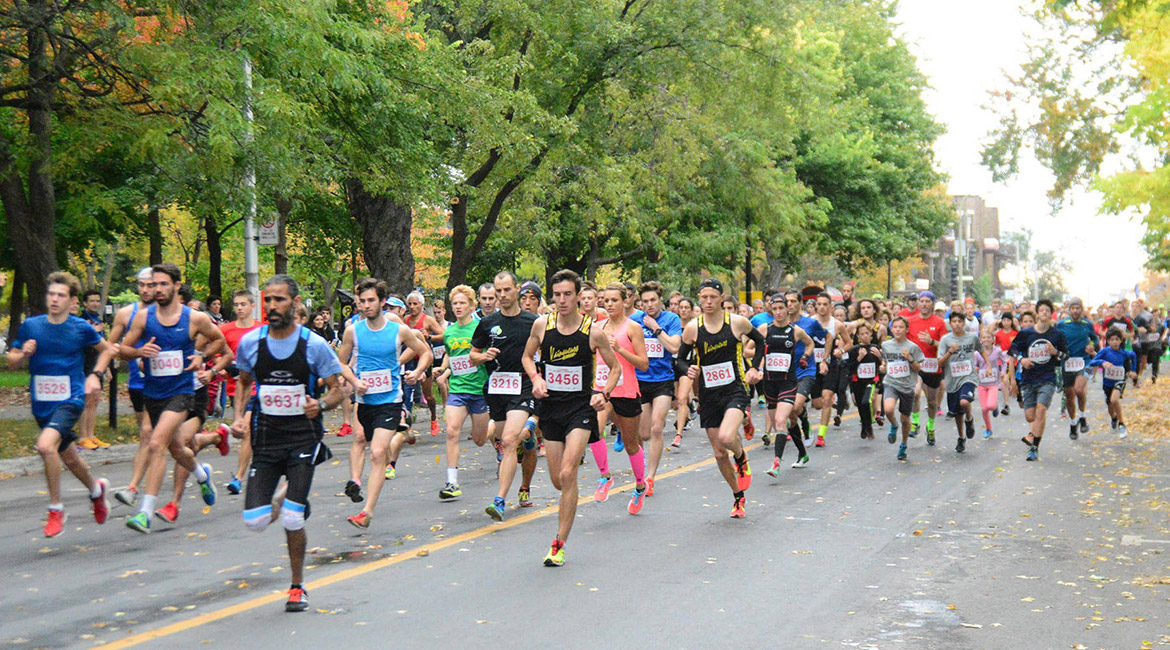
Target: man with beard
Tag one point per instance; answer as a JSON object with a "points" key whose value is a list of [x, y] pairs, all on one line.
{"points": [[145, 286]]}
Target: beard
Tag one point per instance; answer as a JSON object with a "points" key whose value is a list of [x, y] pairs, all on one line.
{"points": [[280, 320]]}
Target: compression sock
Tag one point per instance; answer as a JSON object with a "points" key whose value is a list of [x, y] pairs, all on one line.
{"points": [[799, 444], [914, 419], [600, 456], [638, 464]]}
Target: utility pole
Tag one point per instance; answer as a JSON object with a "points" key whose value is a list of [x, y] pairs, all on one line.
{"points": [[747, 257], [961, 250], [251, 235]]}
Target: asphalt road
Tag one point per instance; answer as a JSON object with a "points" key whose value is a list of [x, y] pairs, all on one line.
{"points": [[978, 550]]}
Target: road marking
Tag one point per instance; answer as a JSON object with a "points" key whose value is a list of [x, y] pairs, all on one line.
{"points": [[353, 572]]}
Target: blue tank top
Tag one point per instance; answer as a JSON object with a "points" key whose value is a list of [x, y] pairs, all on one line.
{"points": [[134, 366], [377, 362], [166, 370]]}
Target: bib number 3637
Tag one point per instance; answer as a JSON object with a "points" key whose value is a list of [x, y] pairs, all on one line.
{"points": [[282, 400]]}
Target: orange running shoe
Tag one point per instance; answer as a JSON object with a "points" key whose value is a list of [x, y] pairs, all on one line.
{"points": [[649, 487], [737, 510], [434, 427], [101, 444], [56, 523], [749, 429], [743, 473], [360, 520]]}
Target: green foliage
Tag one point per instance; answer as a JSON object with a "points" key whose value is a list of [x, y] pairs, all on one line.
{"points": [[983, 289]]}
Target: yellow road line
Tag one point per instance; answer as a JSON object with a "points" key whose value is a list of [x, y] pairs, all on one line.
{"points": [[353, 572]]}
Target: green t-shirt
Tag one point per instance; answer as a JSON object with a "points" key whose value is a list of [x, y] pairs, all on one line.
{"points": [[465, 378]]}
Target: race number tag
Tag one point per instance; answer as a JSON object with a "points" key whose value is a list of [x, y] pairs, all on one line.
{"points": [[654, 348], [461, 365], [1074, 364], [819, 355], [1039, 353], [778, 362], [866, 370], [282, 400], [504, 383], [167, 363], [563, 379], [988, 375], [438, 351], [195, 383], [898, 369], [1115, 373], [601, 375], [377, 381], [960, 368], [720, 374], [51, 388], [929, 365]]}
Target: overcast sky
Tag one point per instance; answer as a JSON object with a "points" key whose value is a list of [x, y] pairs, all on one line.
{"points": [[964, 48]]}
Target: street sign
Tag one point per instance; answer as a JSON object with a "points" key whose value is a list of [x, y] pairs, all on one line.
{"points": [[268, 234], [922, 284]]}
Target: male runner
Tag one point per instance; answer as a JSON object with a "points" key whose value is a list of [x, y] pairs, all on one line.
{"points": [[284, 360], [926, 328], [781, 362], [432, 331], [487, 300], [832, 340], [1041, 349], [54, 345], [806, 375], [169, 329], [564, 397], [498, 343], [959, 350], [91, 313], [661, 331], [723, 399], [243, 306], [134, 382], [1082, 345]]}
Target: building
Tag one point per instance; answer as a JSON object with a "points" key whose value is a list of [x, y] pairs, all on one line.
{"points": [[968, 251]]}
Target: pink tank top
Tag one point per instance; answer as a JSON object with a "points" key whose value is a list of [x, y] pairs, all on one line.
{"points": [[628, 386]]}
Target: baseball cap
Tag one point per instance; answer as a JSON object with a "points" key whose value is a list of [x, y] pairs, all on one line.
{"points": [[145, 273], [927, 294], [969, 301], [940, 306], [877, 296], [711, 283], [1075, 301], [395, 301]]}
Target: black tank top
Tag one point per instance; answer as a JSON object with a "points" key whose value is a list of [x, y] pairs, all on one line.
{"points": [[567, 361], [277, 384], [779, 363], [720, 359]]}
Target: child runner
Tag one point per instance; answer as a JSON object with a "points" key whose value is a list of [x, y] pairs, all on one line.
{"points": [[960, 353], [864, 359], [990, 365], [1116, 363], [901, 361]]}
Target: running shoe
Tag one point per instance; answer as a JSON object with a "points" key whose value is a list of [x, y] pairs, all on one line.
{"points": [[767, 439], [450, 491], [1122, 432], [56, 523], [234, 486], [556, 556], [525, 497], [970, 429], [1084, 425], [391, 472], [102, 444], [499, 451], [139, 522], [749, 429], [1033, 455], [434, 427], [360, 520], [800, 462], [207, 488], [101, 505], [618, 444], [837, 420], [987, 434], [540, 452], [737, 509], [1112, 423], [636, 501], [820, 441], [530, 442], [914, 427], [127, 496], [87, 443], [902, 451], [649, 486], [168, 513], [893, 435], [879, 420], [677, 442], [601, 494], [223, 445], [743, 473], [930, 438], [961, 445], [774, 470], [496, 509], [1006, 410], [298, 600], [354, 491], [1072, 431], [345, 430]]}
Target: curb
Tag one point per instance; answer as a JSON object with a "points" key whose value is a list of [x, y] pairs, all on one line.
{"points": [[32, 465]]}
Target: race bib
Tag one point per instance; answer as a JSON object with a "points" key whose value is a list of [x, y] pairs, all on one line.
{"points": [[195, 383], [1115, 373], [819, 355], [461, 365], [282, 400], [653, 348], [960, 368], [1039, 354], [167, 363], [438, 352], [866, 370], [930, 365], [377, 381], [987, 375], [51, 388], [1074, 364], [563, 379], [898, 369], [536, 357], [778, 362], [504, 383], [720, 374], [601, 375]]}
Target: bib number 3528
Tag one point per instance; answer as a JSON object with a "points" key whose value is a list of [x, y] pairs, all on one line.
{"points": [[51, 388]]}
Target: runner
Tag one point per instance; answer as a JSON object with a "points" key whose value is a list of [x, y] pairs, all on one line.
{"points": [[375, 343], [684, 385], [284, 361], [901, 363], [568, 408], [498, 343], [466, 382], [781, 360], [91, 312], [418, 320], [243, 306], [806, 376], [54, 345], [723, 399], [1116, 364], [487, 300], [144, 283], [959, 350], [1082, 345], [169, 330], [1148, 340], [869, 315], [864, 359], [662, 332], [1040, 349], [831, 338], [925, 329]]}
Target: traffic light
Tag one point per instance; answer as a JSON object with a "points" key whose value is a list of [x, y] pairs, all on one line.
{"points": [[955, 279], [972, 254]]}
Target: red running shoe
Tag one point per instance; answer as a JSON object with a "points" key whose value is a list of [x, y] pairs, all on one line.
{"points": [[223, 445], [345, 430], [101, 505], [56, 523], [737, 510], [168, 513]]}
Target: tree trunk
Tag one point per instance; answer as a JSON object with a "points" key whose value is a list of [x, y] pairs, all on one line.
{"points": [[16, 306], [386, 226], [154, 232], [108, 269], [773, 275], [280, 252], [214, 259], [460, 260]]}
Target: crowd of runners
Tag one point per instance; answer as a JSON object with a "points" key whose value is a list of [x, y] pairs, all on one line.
{"points": [[570, 372]]}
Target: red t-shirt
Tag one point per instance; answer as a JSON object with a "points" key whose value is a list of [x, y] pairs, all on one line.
{"points": [[1004, 338], [233, 333], [934, 325]]}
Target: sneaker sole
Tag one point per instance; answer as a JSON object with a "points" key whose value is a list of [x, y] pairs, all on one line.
{"points": [[493, 513]]}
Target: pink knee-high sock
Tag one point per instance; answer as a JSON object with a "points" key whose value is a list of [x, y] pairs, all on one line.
{"points": [[600, 456], [638, 464]]}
